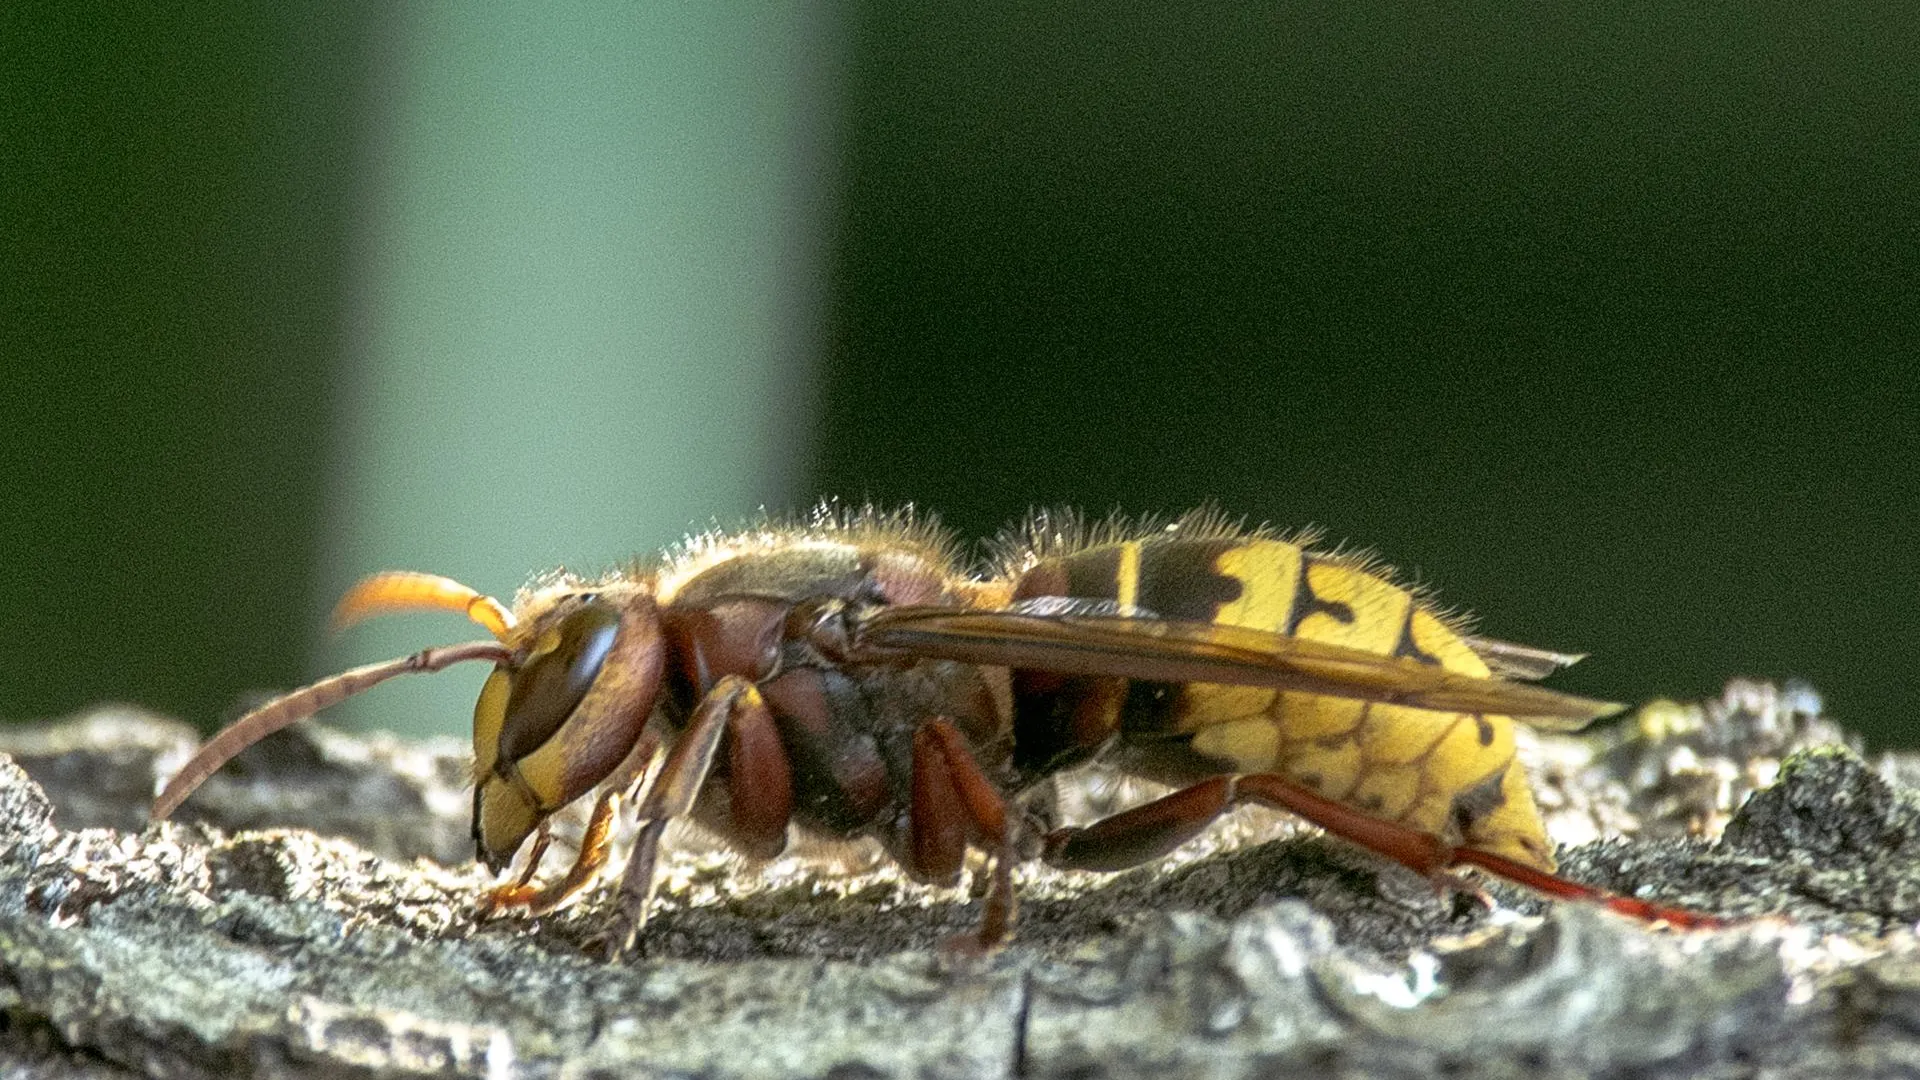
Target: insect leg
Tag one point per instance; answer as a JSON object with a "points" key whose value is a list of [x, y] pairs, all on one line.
{"points": [[1151, 830], [1423, 853], [1561, 889], [1141, 834], [759, 780], [732, 704], [593, 857], [1427, 855], [936, 820], [593, 841], [953, 798], [1156, 828], [542, 839]]}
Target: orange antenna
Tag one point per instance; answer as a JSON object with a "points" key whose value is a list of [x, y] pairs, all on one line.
{"points": [[303, 703], [406, 590]]}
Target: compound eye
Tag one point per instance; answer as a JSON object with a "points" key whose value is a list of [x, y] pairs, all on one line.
{"points": [[567, 658]]}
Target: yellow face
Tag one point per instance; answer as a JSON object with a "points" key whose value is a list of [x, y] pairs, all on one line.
{"points": [[549, 727]]}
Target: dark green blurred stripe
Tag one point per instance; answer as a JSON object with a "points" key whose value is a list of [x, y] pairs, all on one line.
{"points": [[1601, 318]]}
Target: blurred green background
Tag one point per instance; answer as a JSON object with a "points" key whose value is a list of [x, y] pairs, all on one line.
{"points": [[1602, 320]]}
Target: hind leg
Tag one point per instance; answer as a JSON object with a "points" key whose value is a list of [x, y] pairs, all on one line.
{"points": [[1154, 829]]}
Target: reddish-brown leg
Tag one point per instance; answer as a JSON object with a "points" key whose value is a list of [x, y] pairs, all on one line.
{"points": [[1141, 834], [542, 839], [759, 779], [509, 894], [593, 857], [1561, 889], [1149, 831], [953, 801], [1419, 851], [593, 842], [732, 705]]}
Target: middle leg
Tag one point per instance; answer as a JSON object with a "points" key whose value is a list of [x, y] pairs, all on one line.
{"points": [[954, 802]]}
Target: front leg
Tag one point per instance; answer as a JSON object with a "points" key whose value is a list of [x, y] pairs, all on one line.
{"points": [[732, 708], [594, 842]]}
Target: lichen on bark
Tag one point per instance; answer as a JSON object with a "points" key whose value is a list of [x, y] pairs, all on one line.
{"points": [[314, 916]]}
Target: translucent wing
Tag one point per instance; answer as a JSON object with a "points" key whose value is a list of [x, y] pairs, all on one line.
{"points": [[1511, 661], [1076, 642]]}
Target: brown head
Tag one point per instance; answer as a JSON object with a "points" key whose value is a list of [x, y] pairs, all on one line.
{"points": [[550, 727], [577, 670]]}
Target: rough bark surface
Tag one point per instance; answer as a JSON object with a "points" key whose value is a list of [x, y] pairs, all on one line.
{"points": [[313, 915]]}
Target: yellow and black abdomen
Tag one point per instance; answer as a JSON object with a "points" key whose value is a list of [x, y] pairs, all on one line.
{"points": [[1452, 775]]}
